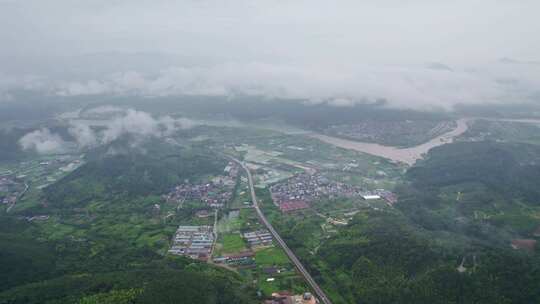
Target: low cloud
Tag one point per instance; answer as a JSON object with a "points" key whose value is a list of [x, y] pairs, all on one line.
{"points": [[417, 54], [426, 87], [104, 110], [43, 141], [87, 133], [6, 83], [91, 87], [6, 97], [142, 124], [83, 134]]}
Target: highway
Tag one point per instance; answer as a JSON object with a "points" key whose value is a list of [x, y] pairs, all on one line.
{"points": [[318, 291]]}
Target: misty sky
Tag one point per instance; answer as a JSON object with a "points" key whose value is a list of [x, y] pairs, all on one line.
{"points": [[415, 53]]}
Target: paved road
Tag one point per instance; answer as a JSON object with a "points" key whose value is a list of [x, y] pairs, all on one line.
{"points": [[318, 291], [18, 198]]}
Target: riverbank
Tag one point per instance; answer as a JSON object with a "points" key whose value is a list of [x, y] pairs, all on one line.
{"points": [[403, 155]]}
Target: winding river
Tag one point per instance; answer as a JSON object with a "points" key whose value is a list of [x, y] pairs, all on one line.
{"points": [[400, 155], [404, 155]]}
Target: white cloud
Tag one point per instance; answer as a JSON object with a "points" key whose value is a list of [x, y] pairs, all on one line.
{"points": [[103, 110], [6, 97], [142, 124], [43, 141], [417, 87], [91, 87], [133, 122], [419, 54], [83, 134], [139, 124]]}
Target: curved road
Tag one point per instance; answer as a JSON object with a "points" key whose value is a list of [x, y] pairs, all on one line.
{"points": [[318, 291]]}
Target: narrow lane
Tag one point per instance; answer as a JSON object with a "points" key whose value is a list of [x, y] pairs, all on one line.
{"points": [[215, 232], [318, 291], [18, 198]]}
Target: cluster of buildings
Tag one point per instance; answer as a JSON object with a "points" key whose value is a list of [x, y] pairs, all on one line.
{"points": [[380, 131], [242, 259], [290, 206], [215, 193], [14, 183], [232, 169], [9, 190], [285, 297], [258, 238], [388, 196], [296, 192], [195, 242]]}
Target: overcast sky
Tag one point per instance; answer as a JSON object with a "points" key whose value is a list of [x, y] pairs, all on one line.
{"points": [[415, 53]]}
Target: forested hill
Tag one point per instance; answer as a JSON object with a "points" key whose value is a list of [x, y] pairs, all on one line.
{"points": [[511, 169], [384, 258], [301, 113], [103, 241], [85, 266], [132, 174], [484, 189], [447, 239]]}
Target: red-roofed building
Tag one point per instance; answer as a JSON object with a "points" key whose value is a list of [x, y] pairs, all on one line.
{"points": [[525, 244], [289, 206]]}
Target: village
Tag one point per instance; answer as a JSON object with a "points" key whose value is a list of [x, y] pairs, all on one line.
{"points": [[254, 254], [33, 175], [11, 189], [392, 133], [298, 192], [195, 242], [237, 239], [214, 193]]}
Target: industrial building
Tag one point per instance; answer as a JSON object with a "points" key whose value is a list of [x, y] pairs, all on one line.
{"points": [[195, 242], [258, 238]]}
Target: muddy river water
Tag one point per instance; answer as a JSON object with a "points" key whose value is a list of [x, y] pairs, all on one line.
{"points": [[404, 155]]}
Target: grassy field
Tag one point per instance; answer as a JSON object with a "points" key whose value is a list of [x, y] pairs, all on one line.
{"points": [[242, 195], [271, 256], [233, 243], [230, 222], [249, 220], [286, 281]]}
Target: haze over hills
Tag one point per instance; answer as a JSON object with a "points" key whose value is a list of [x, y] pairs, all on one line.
{"points": [[346, 54], [269, 152]]}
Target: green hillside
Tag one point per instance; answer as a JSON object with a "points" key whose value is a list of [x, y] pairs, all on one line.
{"points": [[104, 241]]}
